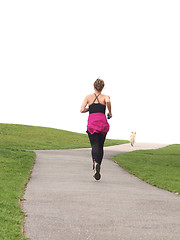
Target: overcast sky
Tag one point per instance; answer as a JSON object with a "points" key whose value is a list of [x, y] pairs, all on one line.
{"points": [[51, 52]]}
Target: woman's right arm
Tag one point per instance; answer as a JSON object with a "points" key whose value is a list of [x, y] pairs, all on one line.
{"points": [[108, 104], [84, 104]]}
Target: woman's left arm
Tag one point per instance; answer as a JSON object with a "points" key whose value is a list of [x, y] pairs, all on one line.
{"points": [[84, 109]]}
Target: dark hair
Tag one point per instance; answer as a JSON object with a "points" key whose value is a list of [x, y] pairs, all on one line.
{"points": [[99, 84]]}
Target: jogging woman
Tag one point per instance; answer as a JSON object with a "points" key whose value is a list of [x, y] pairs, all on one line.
{"points": [[97, 126]]}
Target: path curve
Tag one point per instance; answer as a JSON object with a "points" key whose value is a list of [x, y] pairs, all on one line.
{"points": [[64, 202]]}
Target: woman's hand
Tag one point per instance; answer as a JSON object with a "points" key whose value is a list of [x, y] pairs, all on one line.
{"points": [[109, 114]]}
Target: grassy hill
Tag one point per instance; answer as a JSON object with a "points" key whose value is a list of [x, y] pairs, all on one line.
{"points": [[25, 137], [159, 167], [16, 163]]}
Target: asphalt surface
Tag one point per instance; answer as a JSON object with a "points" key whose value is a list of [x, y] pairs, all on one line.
{"points": [[64, 202]]}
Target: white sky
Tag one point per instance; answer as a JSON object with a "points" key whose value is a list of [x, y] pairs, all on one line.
{"points": [[51, 52]]}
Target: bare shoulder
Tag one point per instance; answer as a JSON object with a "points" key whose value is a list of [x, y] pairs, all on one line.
{"points": [[107, 98], [89, 97]]}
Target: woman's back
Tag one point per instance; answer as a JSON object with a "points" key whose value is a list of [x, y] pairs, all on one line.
{"points": [[92, 98], [96, 106]]}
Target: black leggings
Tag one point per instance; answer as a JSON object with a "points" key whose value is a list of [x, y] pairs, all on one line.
{"points": [[97, 143]]}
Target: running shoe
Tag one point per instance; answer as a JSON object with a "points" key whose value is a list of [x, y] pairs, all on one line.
{"points": [[97, 174]]}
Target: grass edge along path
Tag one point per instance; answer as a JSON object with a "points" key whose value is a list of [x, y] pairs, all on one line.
{"points": [[158, 167], [16, 164], [15, 171]]}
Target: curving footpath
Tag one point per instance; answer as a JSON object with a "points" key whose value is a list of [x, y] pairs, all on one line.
{"points": [[64, 202]]}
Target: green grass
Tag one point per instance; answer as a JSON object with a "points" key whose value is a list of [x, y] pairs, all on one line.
{"points": [[16, 163], [14, 172], [160, 167], [24, 137]]}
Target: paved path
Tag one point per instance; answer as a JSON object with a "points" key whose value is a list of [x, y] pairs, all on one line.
{"points": [[64, 202]]}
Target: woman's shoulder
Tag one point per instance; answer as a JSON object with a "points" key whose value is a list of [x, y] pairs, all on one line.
{"points": [[89, 96], [102, 95], [105, 96], [102, 98]]}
